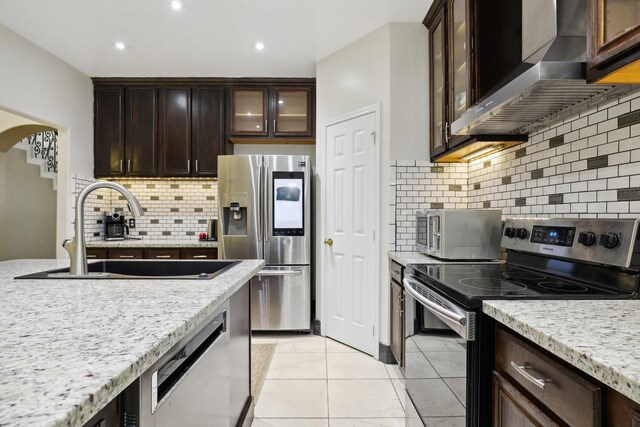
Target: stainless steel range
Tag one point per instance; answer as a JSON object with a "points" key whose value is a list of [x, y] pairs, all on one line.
{"points": [[448, 375]]}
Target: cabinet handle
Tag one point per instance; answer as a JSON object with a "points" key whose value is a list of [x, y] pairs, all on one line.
{"points": [[126, 256], [199, 256], [92, 256], [522, 370], [265, 126], [196, 165], [274, 125], [188, 165], [163, 256], [121, 166], [129, 165], [446, 132]]}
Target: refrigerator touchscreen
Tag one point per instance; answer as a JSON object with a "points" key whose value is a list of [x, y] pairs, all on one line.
{"points": [[288, 204]]}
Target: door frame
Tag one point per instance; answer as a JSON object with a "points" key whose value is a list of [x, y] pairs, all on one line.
{"points": [[375, 109]]}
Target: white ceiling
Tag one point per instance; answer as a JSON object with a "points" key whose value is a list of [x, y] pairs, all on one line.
{"points": [[211, 38]]}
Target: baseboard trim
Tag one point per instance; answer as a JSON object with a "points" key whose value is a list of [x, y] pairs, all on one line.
{"points": [[315, 327], [385, 355]]}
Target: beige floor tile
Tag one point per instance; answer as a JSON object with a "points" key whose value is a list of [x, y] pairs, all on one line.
{"points": [[290, 422], [438, 401], [410, 346], [355, 365], [264, 338], [445, 422], [298, 366], [338, 347], [417, 366], [459, 387], [367, 422], [363, 398], [394, 371], [398, 385], [292, 399], [437, 343], [448, 364], [301, 344]]}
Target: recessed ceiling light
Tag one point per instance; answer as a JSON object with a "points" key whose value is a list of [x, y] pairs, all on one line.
{"points": [[259, 45], [176, 5], [120, 46], [280, 101]]}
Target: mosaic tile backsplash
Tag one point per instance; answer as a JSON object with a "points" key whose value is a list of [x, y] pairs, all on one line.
{"points": [[587, 166], [174, 209]]}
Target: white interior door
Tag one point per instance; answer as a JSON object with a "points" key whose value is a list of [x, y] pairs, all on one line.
{"points": [[350, 274]]}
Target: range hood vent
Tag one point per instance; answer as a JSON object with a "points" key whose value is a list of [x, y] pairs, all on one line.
{"points": [[550, 84]]}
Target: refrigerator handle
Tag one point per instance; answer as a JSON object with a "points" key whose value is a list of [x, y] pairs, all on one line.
{"points": [[267, 206], [260, 202], [279, 273]]}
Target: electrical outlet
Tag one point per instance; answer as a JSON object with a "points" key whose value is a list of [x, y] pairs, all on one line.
{"points": [[132, 223]]}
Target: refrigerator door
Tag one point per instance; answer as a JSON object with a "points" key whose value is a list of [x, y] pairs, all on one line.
{"points": [[287, 217], [239, 207], [281, 299]]}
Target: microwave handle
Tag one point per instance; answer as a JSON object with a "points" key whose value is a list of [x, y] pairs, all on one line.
{"points": [[448, 314]]}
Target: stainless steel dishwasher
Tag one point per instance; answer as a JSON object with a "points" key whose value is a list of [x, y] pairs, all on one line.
{"points": [[189, 386]]}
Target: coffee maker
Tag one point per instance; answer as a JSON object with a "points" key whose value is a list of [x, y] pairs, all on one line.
{"points": [[115, 227]]}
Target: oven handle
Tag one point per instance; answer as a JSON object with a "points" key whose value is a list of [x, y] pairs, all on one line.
{"points": [[448, 314]]}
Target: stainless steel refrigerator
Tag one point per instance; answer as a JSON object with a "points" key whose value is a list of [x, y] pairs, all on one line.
{"points": [[264, 211]]}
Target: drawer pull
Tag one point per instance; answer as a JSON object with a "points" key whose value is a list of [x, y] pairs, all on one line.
{"points": [[522, 370], [92, 256], [126, 256], [199, 256], [163, 256]]}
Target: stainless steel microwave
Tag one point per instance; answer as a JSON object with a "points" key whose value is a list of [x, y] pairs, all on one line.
{"points": [[459, 234]]}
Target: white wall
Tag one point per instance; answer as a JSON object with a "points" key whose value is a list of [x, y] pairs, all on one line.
{"points": [[41, 87], [29, 221], [387, 66]]}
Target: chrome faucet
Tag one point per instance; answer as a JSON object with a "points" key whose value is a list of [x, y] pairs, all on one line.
{"points": [[76, 246]]}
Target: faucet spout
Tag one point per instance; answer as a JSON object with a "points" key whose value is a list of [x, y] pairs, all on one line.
{"points": [[76, 246]]}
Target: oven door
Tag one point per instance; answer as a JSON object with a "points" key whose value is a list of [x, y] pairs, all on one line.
{"points": [[436, 362]]}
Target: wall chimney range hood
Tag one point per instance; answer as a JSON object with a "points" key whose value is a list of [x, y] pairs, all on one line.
{"points": [[549, 84]]}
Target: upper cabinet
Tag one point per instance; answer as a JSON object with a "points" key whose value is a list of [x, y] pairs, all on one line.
{"points": [[264, 111], [177, 127], [614, 41], [125, 131], [471, 49], [452, 68]]}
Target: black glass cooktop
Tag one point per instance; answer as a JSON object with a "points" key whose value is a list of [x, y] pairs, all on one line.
{"points": [[469, 284]]}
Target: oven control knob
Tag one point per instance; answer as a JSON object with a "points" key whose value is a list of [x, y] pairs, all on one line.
{"points": [[522, 233], [587, 238], [609, 240], [510, 232]]}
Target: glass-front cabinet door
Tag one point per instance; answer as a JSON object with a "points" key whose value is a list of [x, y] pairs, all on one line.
{"points": [[292, 112], [249, 112], [619, 17], [459, 63], [613, 35], [438, 101]]}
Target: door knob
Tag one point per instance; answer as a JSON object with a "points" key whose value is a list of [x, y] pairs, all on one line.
{"points": [[328, 242]]}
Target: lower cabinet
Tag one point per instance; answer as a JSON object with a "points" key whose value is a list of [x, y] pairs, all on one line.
{"points": [[152, 253], [532, 387], [396, 317]]}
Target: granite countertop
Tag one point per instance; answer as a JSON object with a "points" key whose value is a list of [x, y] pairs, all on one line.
{"points": [[405, 258], [597, 337], [147, 243], [68, 347]]}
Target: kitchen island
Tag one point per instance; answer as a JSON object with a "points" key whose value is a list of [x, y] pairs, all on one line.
{"points": [[597, 337], [68, 347]]}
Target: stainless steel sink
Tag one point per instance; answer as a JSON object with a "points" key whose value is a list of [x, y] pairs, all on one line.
{"points": [[142, 269]]}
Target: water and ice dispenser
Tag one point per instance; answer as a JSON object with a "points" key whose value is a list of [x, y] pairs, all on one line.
{"points": [[234, 209]]}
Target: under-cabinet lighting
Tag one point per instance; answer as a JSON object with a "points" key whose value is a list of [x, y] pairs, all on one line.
{"points": [[176, 5], [120, 46], [259, 45], [482, 152]]}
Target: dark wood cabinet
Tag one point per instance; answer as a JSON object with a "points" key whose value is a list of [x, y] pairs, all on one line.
{"points": [[271, 111], [141, 152], [109, 146], [397, 312], [513, 408], [207, 130], [152, 253], [613, 40], [175, 131]]}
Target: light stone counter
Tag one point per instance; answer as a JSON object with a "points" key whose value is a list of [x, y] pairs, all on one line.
{"points": [[598, 337], [68, 347], [146, 243], [405, 258]]}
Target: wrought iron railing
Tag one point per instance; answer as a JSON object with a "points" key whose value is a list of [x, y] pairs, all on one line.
{"points": [[45, 146]]}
